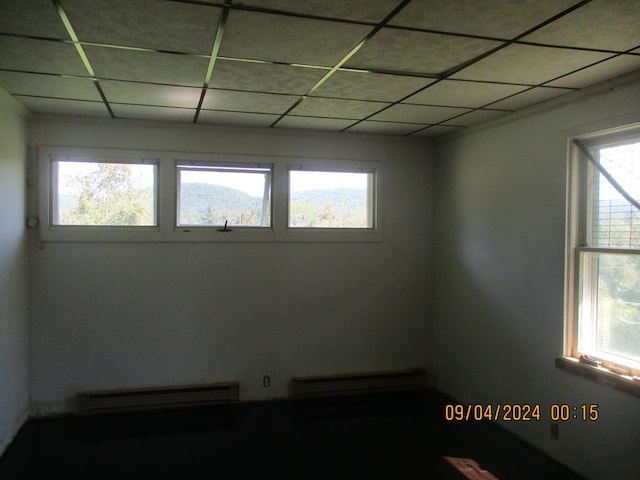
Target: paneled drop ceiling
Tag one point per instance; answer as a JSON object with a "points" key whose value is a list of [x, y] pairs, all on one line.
{"points": [[401, 67]]}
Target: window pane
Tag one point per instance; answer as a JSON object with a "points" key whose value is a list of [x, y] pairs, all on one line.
{"points": [[618, 316], [104, 194], [213, 196], [614, 221], [330, 199]]}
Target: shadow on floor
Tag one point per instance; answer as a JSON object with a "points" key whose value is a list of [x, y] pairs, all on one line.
{"points": [[382, 437]]}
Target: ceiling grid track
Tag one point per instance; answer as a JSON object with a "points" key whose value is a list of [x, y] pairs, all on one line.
{"points": [[83, 56], [389, 67], [214, 56], [346, 58], [448, 73]]}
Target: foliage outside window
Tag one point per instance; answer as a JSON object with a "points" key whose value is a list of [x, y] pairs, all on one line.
{"points": [[331, 199], [97, 193], [216, 195], [113, 195]]}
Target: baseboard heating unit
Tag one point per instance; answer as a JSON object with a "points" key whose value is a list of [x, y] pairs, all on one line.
{"points": [[158, 398], [358, 384]]}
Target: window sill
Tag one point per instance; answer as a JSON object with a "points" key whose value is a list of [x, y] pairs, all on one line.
{"points": [[600, 375]]}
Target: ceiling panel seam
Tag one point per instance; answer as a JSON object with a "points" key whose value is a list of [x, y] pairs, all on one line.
{"points": [[484, 55], [447, 73], [83, 56], [214, 55], [346, 58]]}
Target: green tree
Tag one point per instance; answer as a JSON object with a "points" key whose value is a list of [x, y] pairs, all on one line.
{"points": [[302, 214], [328, 215], [110, 196]]}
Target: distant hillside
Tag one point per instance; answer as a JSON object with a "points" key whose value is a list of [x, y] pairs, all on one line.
{"points": [[196, 197], [239, 207], [202, 203], [346, 201]]}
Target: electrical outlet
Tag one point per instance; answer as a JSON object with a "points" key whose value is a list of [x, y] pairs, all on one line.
{"points": [[266, 381]]}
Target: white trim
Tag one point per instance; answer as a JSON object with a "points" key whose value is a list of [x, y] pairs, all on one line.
{"points": [[579, 258], [374, 197]]}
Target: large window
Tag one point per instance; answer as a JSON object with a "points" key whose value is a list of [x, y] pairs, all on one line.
{"points": [[110, 195], [219, 194], [331, 198], [603, 328], [106, 193]]}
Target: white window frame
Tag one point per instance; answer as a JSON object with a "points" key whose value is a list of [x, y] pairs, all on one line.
{"points": [[375, 191], [371, 196], [190, 165], [48, 192], [168, 230], [55, 187], [580, 267]]}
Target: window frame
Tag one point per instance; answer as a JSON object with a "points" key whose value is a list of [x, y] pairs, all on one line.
{"points": [[191, 165], [48, 188], [372, 197], [168, 230], [580, 266], [329, 234]]}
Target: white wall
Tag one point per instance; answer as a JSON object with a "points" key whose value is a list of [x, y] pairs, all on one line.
{"points": [[499, 273], [14, 323], [111, 315]]}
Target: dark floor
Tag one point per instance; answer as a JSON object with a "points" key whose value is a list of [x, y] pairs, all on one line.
{"points": [[399, 438]]}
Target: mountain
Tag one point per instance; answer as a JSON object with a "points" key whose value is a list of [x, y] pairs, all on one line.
{"points": [[197, 196], [203, 203]]}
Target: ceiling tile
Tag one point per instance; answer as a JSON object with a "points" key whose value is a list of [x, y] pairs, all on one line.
{"points": [[153, 113], [418, 113], [170, 69], [314, 123], [264, 77], [237, 118], [492, 18], [248, 101], [370, 86], [40, 56], [454, 93], [169, 26], [275, 53], [419, 52], [477, 116], [31, 17], [65, 107], [613, 67], [610, 24], [528, 65], [437, 130], [369, 11], [337, 108], [55, 86], [287, 39], [530, 97], [386, 128], [148, 94]]}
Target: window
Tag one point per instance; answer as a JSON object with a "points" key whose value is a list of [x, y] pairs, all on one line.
{"points": [[117, 195], [331, 198], [219, 195], [603, 327], [88, 192]]}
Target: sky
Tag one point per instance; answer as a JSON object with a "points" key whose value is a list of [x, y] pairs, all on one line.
{"points": [[248, 182], [623, 163]]}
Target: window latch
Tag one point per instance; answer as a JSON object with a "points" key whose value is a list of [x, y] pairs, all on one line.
{"points": [[225, 229]]}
